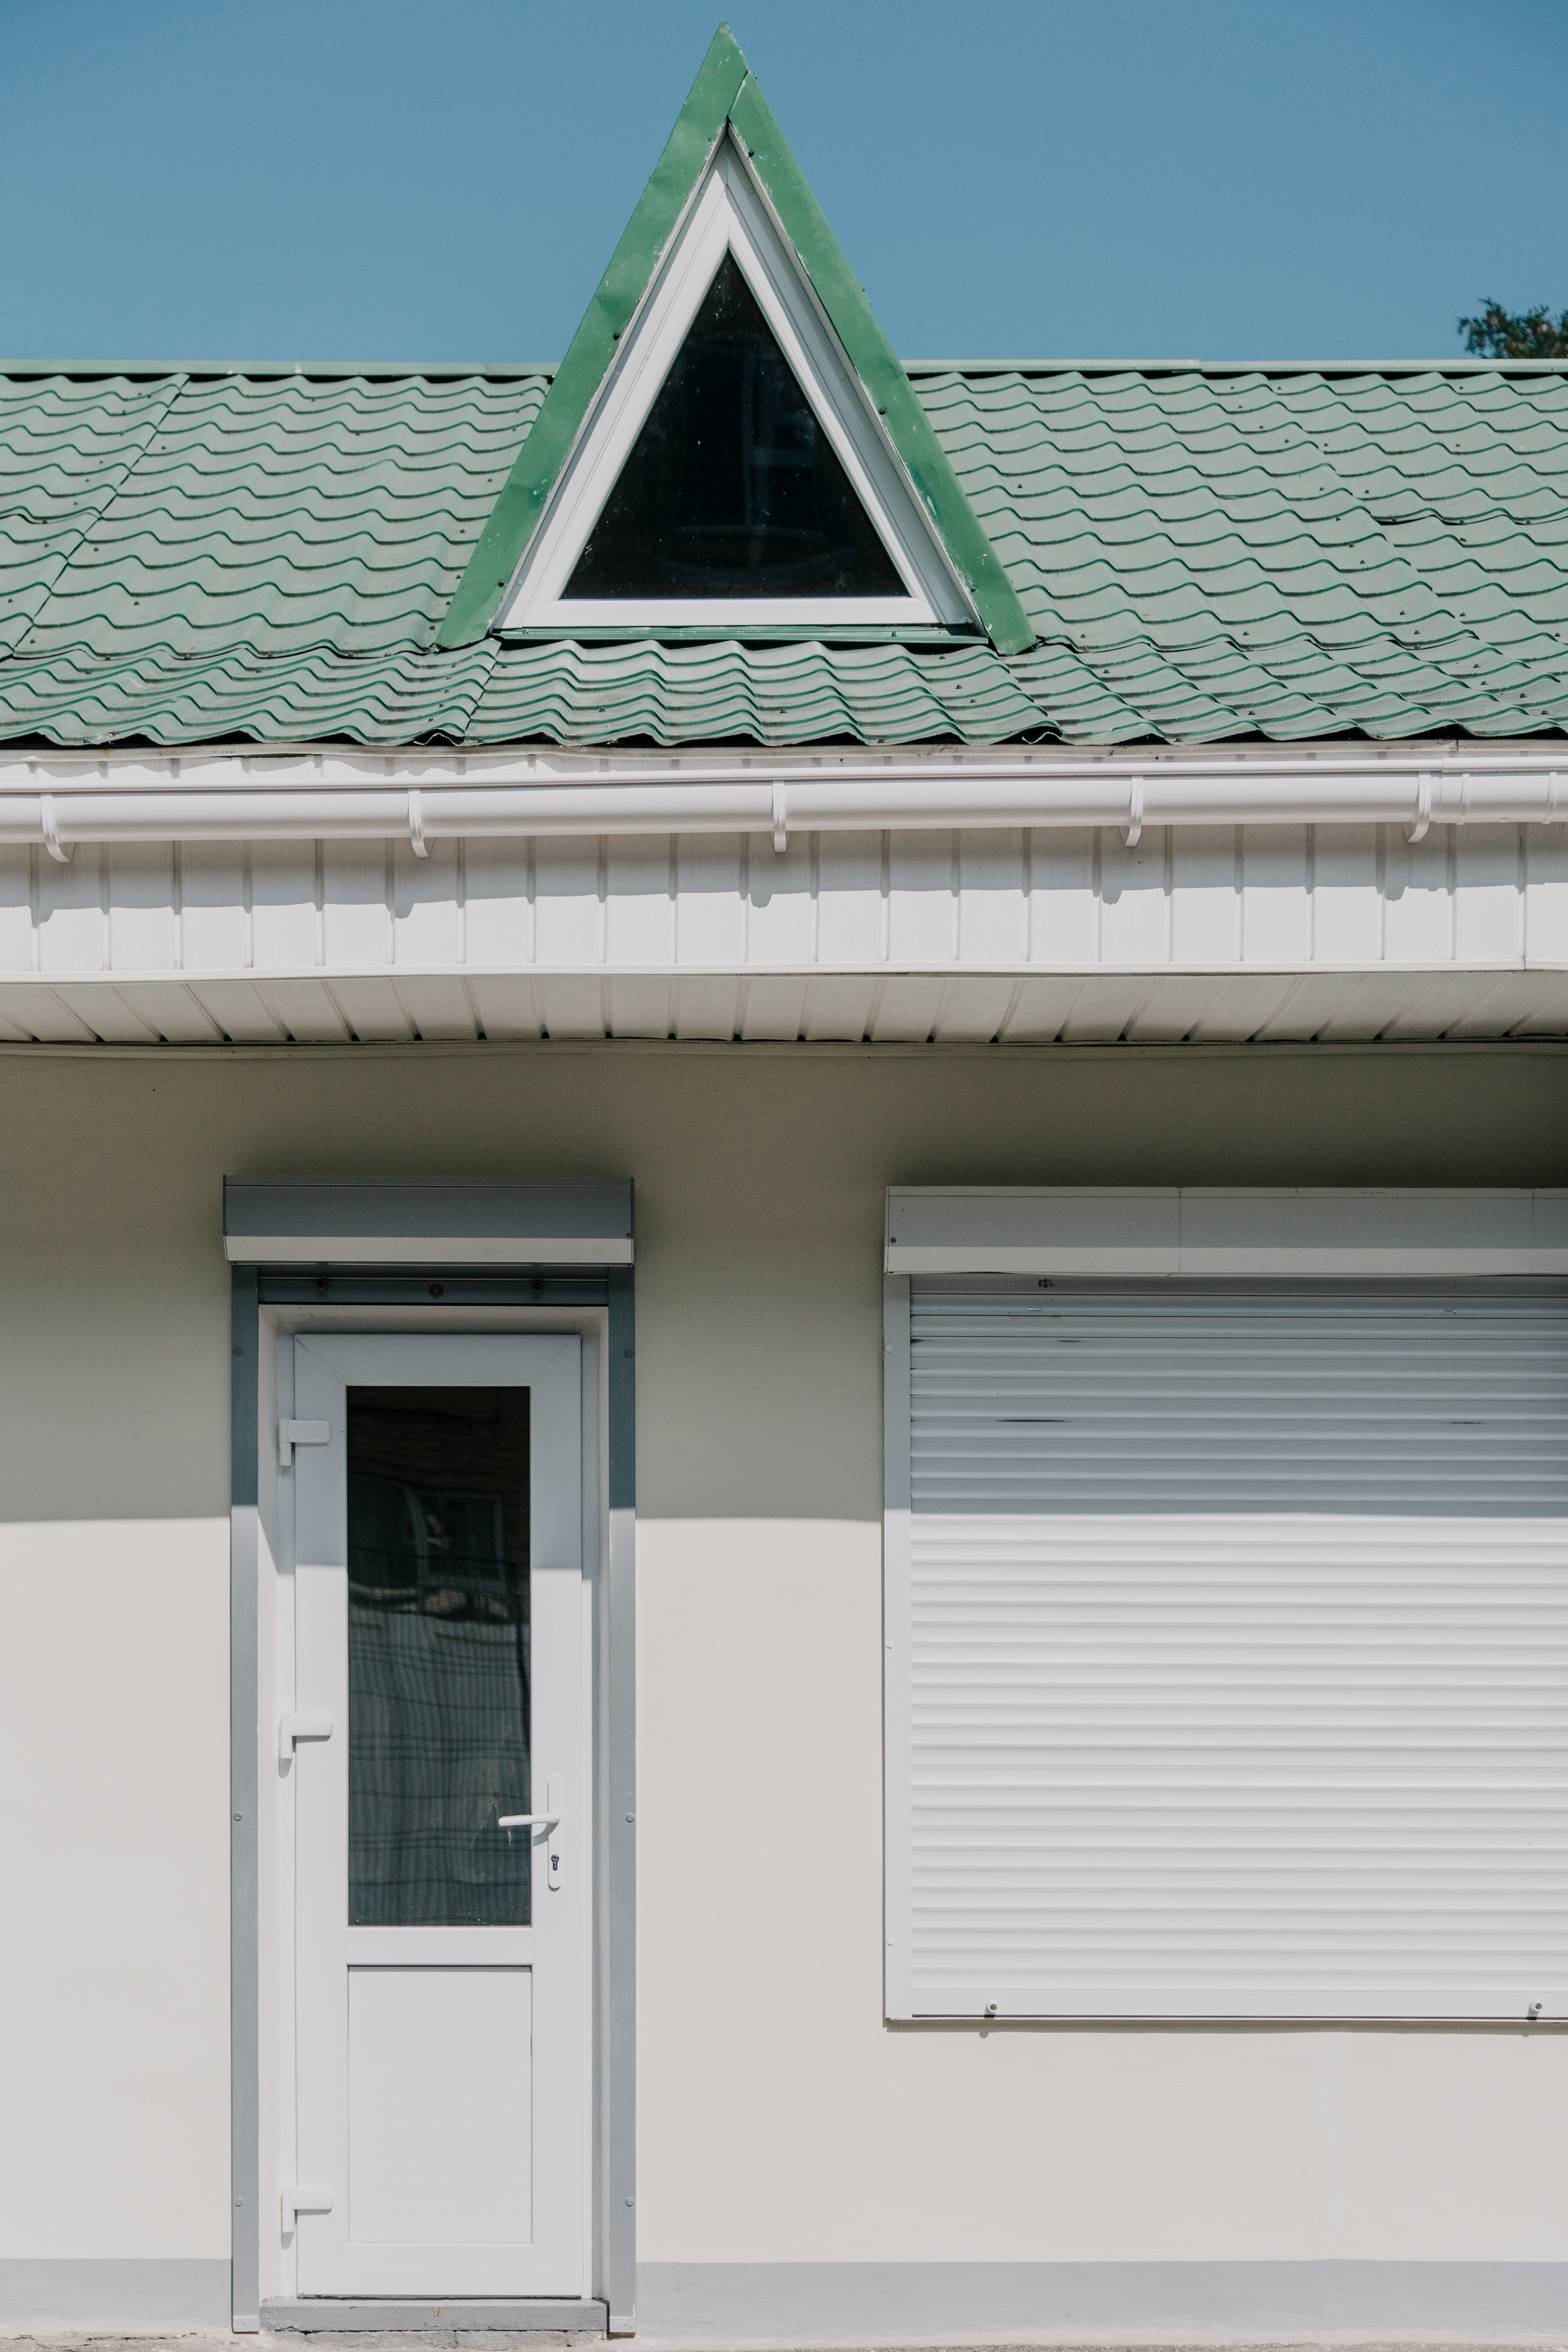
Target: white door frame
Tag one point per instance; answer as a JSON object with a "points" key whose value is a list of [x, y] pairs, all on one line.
{"points": [[263, 1646], [545, 1966]]}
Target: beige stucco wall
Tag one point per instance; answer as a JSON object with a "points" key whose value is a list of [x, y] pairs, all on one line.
{"points": [[781, 2119]]}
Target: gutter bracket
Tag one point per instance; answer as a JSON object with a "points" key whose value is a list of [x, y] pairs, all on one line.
{"points": [[781, 821], [421, 847], [1132, 831], [61, 856], [1417, 832]]}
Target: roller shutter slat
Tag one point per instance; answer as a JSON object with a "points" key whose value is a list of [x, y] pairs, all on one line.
{"points": [[1237, 1654]]}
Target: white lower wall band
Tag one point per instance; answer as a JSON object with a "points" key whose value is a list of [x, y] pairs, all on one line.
{"points": [[162, 2291], [838, 2302], [835, 2302]]}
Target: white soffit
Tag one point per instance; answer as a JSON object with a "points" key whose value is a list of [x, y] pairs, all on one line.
{"points": [[1115, 1230], [730, 213], [304, 1221]]}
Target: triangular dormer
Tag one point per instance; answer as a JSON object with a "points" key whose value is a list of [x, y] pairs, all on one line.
{"points": [[729, 447], [730, 473]]}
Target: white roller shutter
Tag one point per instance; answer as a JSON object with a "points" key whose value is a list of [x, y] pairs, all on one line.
{"points": [[1227, 1653]]}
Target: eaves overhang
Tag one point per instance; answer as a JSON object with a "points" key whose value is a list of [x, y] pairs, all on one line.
{"points": [[1307, 898]]}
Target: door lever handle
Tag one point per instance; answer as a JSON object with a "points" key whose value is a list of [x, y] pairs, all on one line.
{"points": [[291, 1433], [555, 1798], [292, 1728], [306, 2198]]}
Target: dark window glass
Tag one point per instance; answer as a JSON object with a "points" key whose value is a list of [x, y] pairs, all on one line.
{"points": [[732, 488], [438, 1713]]}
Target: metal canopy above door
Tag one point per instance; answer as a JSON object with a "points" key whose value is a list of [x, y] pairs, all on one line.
{"points": [[389, 1221]]}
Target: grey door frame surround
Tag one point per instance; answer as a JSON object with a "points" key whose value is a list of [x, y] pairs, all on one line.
{"points": [[532, 1281]]}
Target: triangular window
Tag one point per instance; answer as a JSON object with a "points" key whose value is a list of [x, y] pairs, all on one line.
{"points": [[729, 447], [732, 474], [732, 488]]}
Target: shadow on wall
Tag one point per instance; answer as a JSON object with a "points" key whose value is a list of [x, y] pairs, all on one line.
{"points": [[760, 1176]]}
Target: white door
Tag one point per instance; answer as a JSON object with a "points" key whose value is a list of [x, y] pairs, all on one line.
{"points": [[441, 1954]]}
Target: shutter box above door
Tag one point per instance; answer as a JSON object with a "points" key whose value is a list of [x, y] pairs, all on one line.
{"points": [[328, 1221]]}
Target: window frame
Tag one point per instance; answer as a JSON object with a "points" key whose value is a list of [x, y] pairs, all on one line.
{"points": [[729, 212]]}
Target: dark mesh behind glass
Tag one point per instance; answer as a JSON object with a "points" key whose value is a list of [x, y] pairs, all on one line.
{"points": [[438, 1701], [732, 488]]}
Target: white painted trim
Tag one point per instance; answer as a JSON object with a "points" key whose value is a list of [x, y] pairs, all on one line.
{"points": [[1222, 1231], [333, 795], [729, 212], [423, 1249]]}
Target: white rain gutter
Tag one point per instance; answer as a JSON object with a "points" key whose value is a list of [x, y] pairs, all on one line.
{"points": [[60, 799]]}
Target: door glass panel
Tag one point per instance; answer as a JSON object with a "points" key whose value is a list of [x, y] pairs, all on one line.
{"points": [[438, 1656]]}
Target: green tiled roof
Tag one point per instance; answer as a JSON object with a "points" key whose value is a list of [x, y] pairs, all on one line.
{"points": [[1204, 554]]}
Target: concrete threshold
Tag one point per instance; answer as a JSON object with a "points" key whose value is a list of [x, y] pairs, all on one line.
{"points": [[524, 2318]]}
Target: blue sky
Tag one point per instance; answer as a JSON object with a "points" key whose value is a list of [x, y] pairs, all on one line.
{"points": [[384, 180]]}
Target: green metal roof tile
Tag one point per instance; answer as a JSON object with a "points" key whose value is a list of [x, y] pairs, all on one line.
{"points": [[770, 694], [1087, 708], [203, 555], [69, 698], [290, 514], [65, 450]]}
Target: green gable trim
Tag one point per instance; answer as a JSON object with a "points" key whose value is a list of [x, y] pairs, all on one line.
{"points": [[843, 298], [526, 494], [726, 92]]}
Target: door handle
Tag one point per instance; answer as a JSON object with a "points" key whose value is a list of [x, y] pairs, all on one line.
{"points": [[291, 1433], [554, 1797], [307, 2197], [292, 1728]]}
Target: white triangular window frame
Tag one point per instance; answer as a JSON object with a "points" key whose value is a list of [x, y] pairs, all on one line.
{"points": [[730, 213]]}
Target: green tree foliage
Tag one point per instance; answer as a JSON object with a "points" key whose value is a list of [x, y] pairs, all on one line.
{"points": [[1499, 334]]}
